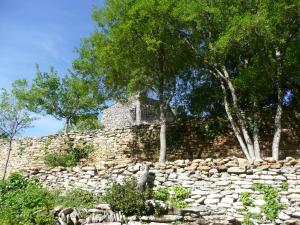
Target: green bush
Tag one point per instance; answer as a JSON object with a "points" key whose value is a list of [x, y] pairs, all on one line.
{"points": [[176, 198], [64, 159], [67, 159], [81, 153], [24, 202], [161, 194], [78, 198], [179, 195], [126, 198]]}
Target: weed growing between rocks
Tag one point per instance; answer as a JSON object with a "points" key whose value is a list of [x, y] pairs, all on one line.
{"points": [[248, 201], [175, 196], [272, 204], [161, 194], [271, 207], [285, 186], [179, 195]]}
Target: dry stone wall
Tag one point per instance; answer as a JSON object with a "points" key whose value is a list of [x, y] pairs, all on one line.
{"points": [[137, 142], [216, 185]]}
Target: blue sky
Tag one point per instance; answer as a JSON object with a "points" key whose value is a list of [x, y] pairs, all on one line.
{"points": [[44, 32]]}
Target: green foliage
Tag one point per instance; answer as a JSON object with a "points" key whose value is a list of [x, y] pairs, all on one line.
{"points": [[244, 39], [13, 116], [78, 198], [285, 185], [127, 55], [81, 152], [126, 198], [271, 197], [248, 201], [86, 122], [66, 98], [67, 159], [161, 194], [64, 159], [25, 202], [179, 194], [175, 196], [136, 48], [270, 209]]}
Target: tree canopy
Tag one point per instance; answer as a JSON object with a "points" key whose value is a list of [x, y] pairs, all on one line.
{"points": [[138, 46], [243, 46], [69, 97], [234, 59]]}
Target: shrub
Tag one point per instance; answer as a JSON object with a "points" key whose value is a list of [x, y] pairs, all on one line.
{"points": [[126, 198], [162, 194], [14, 182], [64, 159], [67, 159], [176, 198], [25, 202], [81, 153], [179, 195], [78, 198]]}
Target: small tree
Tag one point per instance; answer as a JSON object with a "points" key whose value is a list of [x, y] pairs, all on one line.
{"points": [[69, 97], [13, 119]]}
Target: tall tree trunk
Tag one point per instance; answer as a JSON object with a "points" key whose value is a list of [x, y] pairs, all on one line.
{"points": [[138, 113], [256, 132], [239, 115], [233, 123], [277, 122], [163, 127], [7, 159]]}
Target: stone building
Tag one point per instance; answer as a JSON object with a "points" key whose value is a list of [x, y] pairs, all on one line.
{"points": [[135, 111]]}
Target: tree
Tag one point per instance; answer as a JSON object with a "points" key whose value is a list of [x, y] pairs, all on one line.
{"points": [[70, 97], [243, 45], [13, 119], [137, 47]]}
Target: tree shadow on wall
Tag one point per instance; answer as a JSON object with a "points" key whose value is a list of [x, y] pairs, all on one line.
{"points": [[290, 141], [144, 145], [186, 139]]}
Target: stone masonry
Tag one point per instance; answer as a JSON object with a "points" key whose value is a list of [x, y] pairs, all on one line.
{"points": [[216, 185], [137, 142], [136, 111]]}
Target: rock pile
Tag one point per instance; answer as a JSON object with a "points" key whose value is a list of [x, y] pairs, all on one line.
{"points": [[102, 215]]}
